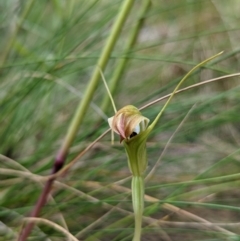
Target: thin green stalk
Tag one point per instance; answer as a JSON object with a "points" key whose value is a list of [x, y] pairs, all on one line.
{"points": [[119, 70], [138, 204], [102, 62]]}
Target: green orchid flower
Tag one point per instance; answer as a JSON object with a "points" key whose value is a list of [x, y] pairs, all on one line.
{"points": [[133, 129], [131, 126]]}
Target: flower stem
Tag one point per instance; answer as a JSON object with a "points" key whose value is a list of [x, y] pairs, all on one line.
{"points": [[138, 204]]}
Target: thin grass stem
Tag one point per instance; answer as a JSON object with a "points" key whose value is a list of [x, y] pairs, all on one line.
{"points": [[121, 64], [53, 225], [188, 88], [108, 91]]}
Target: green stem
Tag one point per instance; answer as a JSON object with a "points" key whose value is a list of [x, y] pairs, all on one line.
{"points": [[138, 204], [102, 62], [118, 71]]}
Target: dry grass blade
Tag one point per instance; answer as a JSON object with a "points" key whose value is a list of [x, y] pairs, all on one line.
{"points": [[190, 87], [179, 211], [23, 174], [52, 225], [27, 174]]}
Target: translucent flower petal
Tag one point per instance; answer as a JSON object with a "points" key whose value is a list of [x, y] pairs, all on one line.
{"points": [[128, 122]]}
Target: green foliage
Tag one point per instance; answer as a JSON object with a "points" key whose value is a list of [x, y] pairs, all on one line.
{"points": [[48, 52]]}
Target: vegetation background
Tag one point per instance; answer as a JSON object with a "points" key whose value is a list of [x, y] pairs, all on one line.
{"points": [[48, 51]]}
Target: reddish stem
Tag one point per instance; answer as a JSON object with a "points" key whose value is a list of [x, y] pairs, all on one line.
{"points": [[58, 164]]}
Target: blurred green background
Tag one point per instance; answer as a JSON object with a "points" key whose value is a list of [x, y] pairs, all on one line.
{"points": [[48, 51]]}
